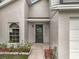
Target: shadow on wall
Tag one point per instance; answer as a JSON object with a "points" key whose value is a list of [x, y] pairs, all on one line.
{"points": [[55, 53]]}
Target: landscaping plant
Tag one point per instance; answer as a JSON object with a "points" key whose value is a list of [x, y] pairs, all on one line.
{"points": [[19, 48]]}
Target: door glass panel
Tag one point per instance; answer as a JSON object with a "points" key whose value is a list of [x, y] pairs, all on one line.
{"points": [[39, 33]]}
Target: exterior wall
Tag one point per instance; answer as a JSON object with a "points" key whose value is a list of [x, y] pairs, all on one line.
{"points": [[59, 34], [46, 32], [26, 12], [54, 30], [39, 9], [65, 12], [14, 12], [26, 30], [63, 32], [63, 39], [26, 9], [31, 32], [54, 2]]}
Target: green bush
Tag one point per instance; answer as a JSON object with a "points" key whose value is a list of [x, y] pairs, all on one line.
{"points": [[3, 46], [19, 48]]}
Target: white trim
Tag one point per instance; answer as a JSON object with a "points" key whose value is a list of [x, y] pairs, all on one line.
{"points": [[38, 20], [15, 53], [65, 6]]}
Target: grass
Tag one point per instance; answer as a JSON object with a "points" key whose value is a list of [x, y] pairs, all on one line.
{"points": [[13, 57]]}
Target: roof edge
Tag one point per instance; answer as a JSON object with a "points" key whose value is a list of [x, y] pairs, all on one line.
{"points": [[4, 3]]}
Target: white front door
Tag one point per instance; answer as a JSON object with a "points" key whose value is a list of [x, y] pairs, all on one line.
{"points": [[74, 39]]}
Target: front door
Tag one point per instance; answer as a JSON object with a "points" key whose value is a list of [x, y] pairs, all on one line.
{"points": [[39, 33]]}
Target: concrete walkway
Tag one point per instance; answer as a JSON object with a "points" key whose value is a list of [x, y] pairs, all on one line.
{"points": [[38, 51]]}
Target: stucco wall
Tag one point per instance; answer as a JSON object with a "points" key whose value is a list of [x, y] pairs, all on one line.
{"points": [[54, 2], [14, 12], [31, 32], [59, 31], [26, 14], [46, 32], [54, 30], [63, 32], [39, 9], [63, 37]]}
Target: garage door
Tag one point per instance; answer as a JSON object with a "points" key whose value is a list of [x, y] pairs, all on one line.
{"points": [[74, 39]]}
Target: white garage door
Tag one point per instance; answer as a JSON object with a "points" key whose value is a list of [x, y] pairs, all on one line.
{"points": [[74, 39]]}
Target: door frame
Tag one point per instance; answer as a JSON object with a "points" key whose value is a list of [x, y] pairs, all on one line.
{"points": [[43, 30]]}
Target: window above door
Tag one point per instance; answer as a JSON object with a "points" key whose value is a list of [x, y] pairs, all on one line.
{"points": [[34, 1]]}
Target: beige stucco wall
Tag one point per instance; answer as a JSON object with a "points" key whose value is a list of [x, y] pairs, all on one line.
{"points": [[59, 28], [39, 9], [59, 34], [26, 14], [54, 29], [54, 2], [59, 31], [14, 12], [63, 43], [63, 36]]}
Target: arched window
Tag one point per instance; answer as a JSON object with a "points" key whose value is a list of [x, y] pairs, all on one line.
{"points": [[14, 25], [14, 33]]}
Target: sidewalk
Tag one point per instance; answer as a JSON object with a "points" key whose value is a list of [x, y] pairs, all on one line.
{"points": [[38, 51]]}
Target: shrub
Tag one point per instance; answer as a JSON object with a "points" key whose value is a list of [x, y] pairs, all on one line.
{"points": [[19, 48]]}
